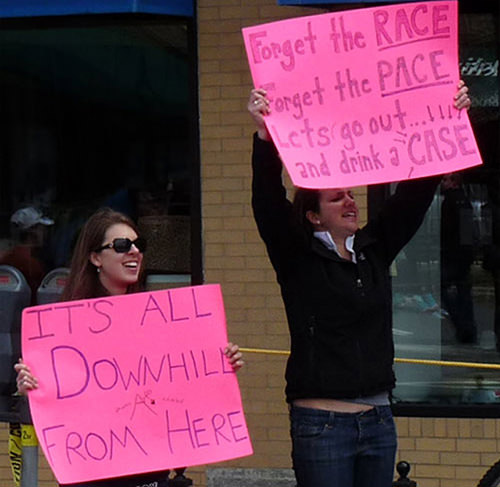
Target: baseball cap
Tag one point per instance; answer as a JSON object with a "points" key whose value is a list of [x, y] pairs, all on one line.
{"points": [[28, 217]]}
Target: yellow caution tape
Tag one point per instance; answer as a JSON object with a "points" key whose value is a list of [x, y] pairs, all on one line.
{"points": [[15, 452], [28, 435], [440, 363]]}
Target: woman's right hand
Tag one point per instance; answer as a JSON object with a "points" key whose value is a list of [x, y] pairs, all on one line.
{"points": [[258, 106], [25, 380]]}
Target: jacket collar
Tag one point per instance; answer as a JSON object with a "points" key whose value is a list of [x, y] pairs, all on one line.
{"points": [[361, 240], [327, 240]]}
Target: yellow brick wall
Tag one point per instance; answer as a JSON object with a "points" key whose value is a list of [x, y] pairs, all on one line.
{"points": [[448, 452]]}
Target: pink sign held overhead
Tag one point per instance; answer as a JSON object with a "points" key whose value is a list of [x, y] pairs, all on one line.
{"points": [[364, 96], [133, 383]]}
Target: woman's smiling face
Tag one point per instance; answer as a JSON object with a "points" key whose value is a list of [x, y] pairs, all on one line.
{"points": [[117, 270]]}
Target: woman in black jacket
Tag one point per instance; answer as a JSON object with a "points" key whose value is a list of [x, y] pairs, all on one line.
{"points": [[335, 284]]}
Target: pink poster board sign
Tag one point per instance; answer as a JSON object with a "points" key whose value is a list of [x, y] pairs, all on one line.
{"points": [[364, 96], [134, 383]]}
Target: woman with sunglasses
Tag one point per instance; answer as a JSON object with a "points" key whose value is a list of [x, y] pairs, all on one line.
{"points": [[107, 261]]}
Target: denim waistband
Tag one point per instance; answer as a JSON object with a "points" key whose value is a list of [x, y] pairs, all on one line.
{"points": [[322, 413]]}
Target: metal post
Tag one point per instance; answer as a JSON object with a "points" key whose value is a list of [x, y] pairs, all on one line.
{"points": [[403, 469], [29, 441], [29, 472]]}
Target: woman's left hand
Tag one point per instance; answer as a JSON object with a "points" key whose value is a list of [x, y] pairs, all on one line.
{"points": [[234, 355], [461, 98]]}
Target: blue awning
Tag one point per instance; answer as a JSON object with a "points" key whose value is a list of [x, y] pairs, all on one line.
{"points": [[36, 8], [335, 2]]}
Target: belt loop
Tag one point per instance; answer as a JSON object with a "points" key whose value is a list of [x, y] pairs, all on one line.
{"points": [[331, 417], [380, 416]]}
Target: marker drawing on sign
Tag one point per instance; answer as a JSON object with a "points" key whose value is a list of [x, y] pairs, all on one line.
{"points": [[164, 350], [343, 84]]}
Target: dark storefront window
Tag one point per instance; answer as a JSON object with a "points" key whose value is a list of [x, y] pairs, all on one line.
{"points": [[98, 111], [446, 282]]}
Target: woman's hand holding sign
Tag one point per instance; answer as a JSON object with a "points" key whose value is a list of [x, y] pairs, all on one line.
{"points": [[232, 352], [461, 98], [25, 380], [258, 106]]}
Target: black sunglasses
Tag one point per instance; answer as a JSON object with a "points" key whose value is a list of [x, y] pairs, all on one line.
{"points": [[122, 245]]}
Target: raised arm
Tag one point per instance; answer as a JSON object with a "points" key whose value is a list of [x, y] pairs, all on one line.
{"points": [[272, 210]]}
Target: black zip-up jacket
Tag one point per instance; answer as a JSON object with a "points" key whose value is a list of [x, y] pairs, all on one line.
{"points": [[339, 312]]}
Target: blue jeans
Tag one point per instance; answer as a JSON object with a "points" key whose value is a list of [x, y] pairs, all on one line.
{"points": [[332, 449]]}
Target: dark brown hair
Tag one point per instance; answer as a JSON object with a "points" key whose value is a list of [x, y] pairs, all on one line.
{"points": [[83, 281], [305, 200]]}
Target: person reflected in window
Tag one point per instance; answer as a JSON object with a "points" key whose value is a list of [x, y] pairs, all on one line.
{"points": [[108, 261], [26, 255], [491, 255], [457, 255], [336, 288]]}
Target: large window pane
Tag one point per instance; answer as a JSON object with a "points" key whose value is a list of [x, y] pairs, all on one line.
{"points": [[446, 282], [96, 112]]}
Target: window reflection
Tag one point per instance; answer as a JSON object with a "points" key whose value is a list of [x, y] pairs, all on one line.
{"points": [[445, 304], [446, 281], [96, 114]]}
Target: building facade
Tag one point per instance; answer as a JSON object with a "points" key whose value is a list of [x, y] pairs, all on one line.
{"points": [[448, 441]]}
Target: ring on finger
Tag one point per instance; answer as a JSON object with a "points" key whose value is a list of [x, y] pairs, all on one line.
{"points": [[256, 102]]}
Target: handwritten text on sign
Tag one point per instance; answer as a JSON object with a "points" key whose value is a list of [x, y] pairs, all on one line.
{"points": [[364, 96], [133, 383]]}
